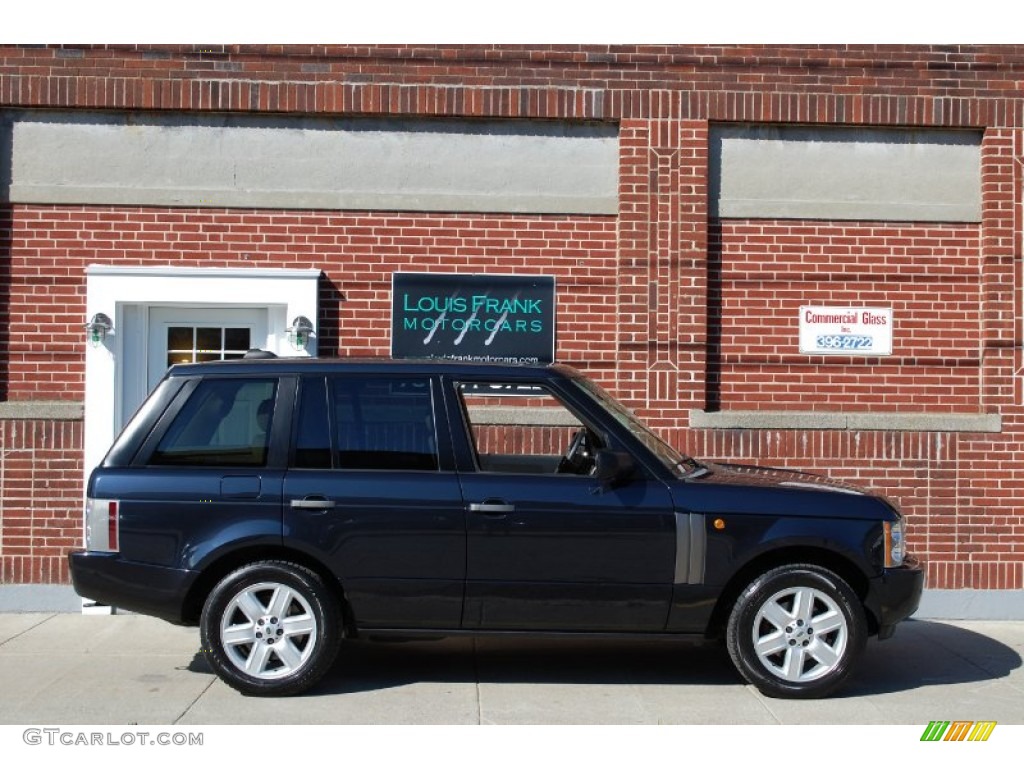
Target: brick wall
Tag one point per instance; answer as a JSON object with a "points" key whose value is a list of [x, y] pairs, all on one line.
{"points": [[51, 247], [40, 499], [761, 272], [668, 309], [887, 84]]}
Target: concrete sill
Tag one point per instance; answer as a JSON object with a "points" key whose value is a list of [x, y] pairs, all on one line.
{"points": [[42, 410], [852, 422]]}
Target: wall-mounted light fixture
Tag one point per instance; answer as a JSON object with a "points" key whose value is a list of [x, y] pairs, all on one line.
{"points": [[299, 331], [98, 327]]}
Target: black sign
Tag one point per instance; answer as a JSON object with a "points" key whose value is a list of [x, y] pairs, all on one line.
{"points": [[505, 318]]}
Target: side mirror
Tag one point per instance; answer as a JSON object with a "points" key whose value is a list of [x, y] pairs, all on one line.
{"points": [[611, 467]]}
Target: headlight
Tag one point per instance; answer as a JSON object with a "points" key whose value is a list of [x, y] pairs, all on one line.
{"points": [[895, 546]]}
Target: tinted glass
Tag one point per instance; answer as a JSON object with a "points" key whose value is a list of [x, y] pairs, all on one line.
{"points": [[180, 338], [383, 423], [313, 431], [236, 338], [225, 423], [208, 339], [191, 344]]}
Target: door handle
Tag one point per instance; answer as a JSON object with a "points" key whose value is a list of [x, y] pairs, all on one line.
{"points": [[313, 502], [492, 508]]}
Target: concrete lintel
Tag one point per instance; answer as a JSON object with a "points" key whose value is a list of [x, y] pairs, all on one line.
{"points": [[854, 422], [289, 162], [849, 173], [42, 410]]}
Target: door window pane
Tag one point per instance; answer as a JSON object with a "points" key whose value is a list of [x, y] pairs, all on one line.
{"points": [[180, 338], [225, 423], [209, 339], [383, 424], [194, 344], [236, 339]]}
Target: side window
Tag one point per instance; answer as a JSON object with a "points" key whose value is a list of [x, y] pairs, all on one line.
{"points": [[313, 430], [383, 423], [225, 423], [526, 429]]}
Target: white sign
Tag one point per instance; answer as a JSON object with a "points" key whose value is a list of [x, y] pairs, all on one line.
{"points": [[846, 331]]}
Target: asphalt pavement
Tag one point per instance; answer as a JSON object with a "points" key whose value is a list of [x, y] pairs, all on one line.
{"points": [[131, 669]]}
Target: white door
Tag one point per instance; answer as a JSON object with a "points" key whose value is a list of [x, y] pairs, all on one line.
{"points": [[196, 334], [118, 371]]}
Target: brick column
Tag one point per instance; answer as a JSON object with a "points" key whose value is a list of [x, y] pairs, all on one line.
{"points": [[1000, 283], [663, 267]]}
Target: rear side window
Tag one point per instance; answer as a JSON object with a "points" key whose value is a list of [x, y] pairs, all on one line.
{"points": [[225, 423], [313, 429], [383, 423]]}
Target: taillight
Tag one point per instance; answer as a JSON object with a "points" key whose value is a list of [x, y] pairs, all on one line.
{"points": [[112, 525], [101, 525]]}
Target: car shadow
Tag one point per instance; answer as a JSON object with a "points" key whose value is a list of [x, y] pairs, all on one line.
{"points": [[367, 666], [922, 653]]}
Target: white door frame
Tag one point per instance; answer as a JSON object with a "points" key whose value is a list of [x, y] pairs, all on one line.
{"points": [[126, 293]]}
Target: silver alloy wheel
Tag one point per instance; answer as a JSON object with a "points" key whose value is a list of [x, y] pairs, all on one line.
{"points": [[268, 630], [800, 634]]}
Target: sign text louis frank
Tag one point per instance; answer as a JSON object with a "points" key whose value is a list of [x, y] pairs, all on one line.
{"points": [[846, 331]]}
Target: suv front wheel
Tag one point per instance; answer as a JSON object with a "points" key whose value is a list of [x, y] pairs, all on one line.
{"points": [[271, 629], [796, 632]]}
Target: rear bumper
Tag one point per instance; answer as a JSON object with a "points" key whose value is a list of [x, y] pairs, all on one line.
{"points": [[149, 589], [895, 595]]}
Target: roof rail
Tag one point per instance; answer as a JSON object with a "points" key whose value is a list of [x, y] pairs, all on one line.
{"points": [[258, 354]]}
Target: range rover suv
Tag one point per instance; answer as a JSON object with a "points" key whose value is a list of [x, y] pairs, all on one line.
{"points": [[286, 505]]}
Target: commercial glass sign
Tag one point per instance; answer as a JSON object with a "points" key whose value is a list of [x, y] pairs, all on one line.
{"points": [[506, 318], [846, 331]]}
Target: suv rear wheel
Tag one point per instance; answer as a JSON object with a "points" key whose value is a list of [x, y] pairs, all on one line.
{"points": [[271, 629], [796, 632]]}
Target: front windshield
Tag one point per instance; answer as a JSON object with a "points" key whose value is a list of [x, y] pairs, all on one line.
{"points": [[669, 456]]}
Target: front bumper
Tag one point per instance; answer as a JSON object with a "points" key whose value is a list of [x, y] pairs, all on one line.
{"points": [[140, 587], [895, 595]]}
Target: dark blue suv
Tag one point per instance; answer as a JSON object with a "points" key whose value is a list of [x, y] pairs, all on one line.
{"points": [[283, 505]]}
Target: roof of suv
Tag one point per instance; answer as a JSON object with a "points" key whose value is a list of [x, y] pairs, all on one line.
{"points": [[368, 365]]}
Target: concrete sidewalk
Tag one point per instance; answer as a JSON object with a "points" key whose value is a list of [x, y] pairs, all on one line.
{"points": [[130, 669]]}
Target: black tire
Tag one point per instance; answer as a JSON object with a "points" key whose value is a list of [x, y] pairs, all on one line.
{"points": [[271, 629], [796, 632]]}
